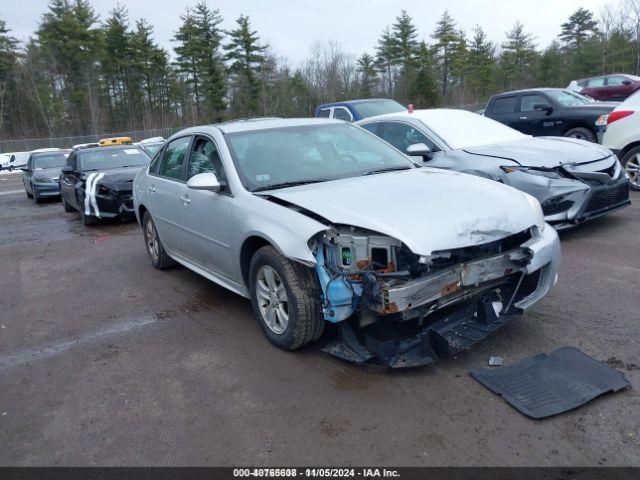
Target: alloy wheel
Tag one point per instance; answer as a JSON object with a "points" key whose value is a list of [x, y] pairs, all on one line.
{"points": [[272, 299], [152, 241], [633, 169]]}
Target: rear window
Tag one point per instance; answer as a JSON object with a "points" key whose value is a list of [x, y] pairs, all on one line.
{"points": [[377, 107], [505, 105]]}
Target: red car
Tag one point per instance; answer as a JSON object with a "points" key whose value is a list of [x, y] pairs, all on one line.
{"points": [[615, 87]]}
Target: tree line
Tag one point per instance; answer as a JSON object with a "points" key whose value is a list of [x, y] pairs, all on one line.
{"points": [[78, 74]]}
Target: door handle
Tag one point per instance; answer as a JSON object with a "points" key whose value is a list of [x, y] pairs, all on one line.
{"points": [[185, 200], [523, 118]]}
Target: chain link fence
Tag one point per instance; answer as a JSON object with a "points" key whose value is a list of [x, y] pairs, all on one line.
{"points": [[28, 144]]}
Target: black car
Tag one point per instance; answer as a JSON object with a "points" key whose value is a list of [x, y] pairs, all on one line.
{"points": [[98, 181], [40, 176], [549, 112]]}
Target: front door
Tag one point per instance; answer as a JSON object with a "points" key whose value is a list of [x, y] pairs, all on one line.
{"points": [[534, 120], [206, 215]]}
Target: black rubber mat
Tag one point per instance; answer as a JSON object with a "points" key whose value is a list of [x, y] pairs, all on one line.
{"points": [[545, 385]]}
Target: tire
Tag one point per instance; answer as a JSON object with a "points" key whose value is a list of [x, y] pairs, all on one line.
{"points": [[582, 133], [157, 254], [631, 163], [28, 194], [67, 207], [302, 309], [88, 220], [36, 197]]}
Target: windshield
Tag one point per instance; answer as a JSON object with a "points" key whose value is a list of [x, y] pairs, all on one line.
{"points": [[377, 107], [309, 153], [50, 160], [462, 129], [568, 99], [102, 158]]}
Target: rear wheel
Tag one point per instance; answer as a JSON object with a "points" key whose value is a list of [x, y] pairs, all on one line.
{"points": [[631, 164], [286, 299], [582, 133], [67, 207], [155, 249]]}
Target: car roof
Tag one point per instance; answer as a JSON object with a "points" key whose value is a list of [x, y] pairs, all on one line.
{"points": [[420, 114], [247, 125], [526, 90], [355, 102], [55, 150]]}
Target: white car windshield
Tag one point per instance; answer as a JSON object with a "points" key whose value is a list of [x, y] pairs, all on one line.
{"points": [[284, 157], [462, 129], [102, 158]]}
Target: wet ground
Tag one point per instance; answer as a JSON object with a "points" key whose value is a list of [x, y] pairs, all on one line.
{"points": [[106, 361]]}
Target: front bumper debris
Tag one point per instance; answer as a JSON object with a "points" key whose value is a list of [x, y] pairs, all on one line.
{"points": [[441, 314]]}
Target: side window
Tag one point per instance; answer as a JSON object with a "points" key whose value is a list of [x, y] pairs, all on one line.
{"points": [[615, 81], [529, 102], [173, 158], [204, 158], [596, 82], [401, 135], [372, 127], [324, 113], [505, 105], [342, 113]]}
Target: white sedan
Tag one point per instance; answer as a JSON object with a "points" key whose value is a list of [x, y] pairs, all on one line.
{"points": [[623, 137]]}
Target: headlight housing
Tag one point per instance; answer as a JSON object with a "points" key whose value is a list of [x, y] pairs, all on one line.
{"points": [[537, 210], [539, 171]]}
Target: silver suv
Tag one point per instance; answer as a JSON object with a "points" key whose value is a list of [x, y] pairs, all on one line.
{"points": [[320, 221]]}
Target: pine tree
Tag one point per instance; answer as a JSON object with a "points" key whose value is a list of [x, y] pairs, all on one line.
{"points": [[385, 58], [209, 59], [580, 38], [482, 65], [404, 48], [368, 75], [446, 37], [188, 54], [8, 62], [424, 90], [246, 56], [517, 58]]}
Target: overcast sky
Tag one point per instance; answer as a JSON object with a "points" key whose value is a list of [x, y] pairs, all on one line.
{"points": [[292, 26]]}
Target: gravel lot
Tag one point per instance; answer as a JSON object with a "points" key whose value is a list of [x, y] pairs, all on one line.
{"points": [[106, 361]]}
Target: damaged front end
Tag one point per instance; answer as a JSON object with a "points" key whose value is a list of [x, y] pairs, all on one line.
{"points": [[399, 309]]}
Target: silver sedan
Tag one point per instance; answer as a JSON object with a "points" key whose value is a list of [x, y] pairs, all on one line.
{"points": [[318, 221]]}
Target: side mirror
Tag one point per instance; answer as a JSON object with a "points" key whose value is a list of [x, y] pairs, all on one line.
{"points": [[419, 150], [67, 169], [205, 181], [543, 107]]}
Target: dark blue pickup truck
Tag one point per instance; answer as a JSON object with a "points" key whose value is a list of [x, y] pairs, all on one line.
{"points": [[354, 110]]}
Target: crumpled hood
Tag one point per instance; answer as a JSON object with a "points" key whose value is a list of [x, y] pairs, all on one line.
{"points": [[426, 209], [117, 178], [546, 152]]}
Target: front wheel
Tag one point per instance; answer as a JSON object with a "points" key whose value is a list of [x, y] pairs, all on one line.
{"points": [[286, 299], [67, 207], [581, 133], [87, 220], [631, 164], [36, 197]]}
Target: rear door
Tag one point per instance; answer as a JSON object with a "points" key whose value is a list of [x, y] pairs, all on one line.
{"points": [[205, 216], [595, 88], [165, 186], [342, 113], [505, 110]]}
